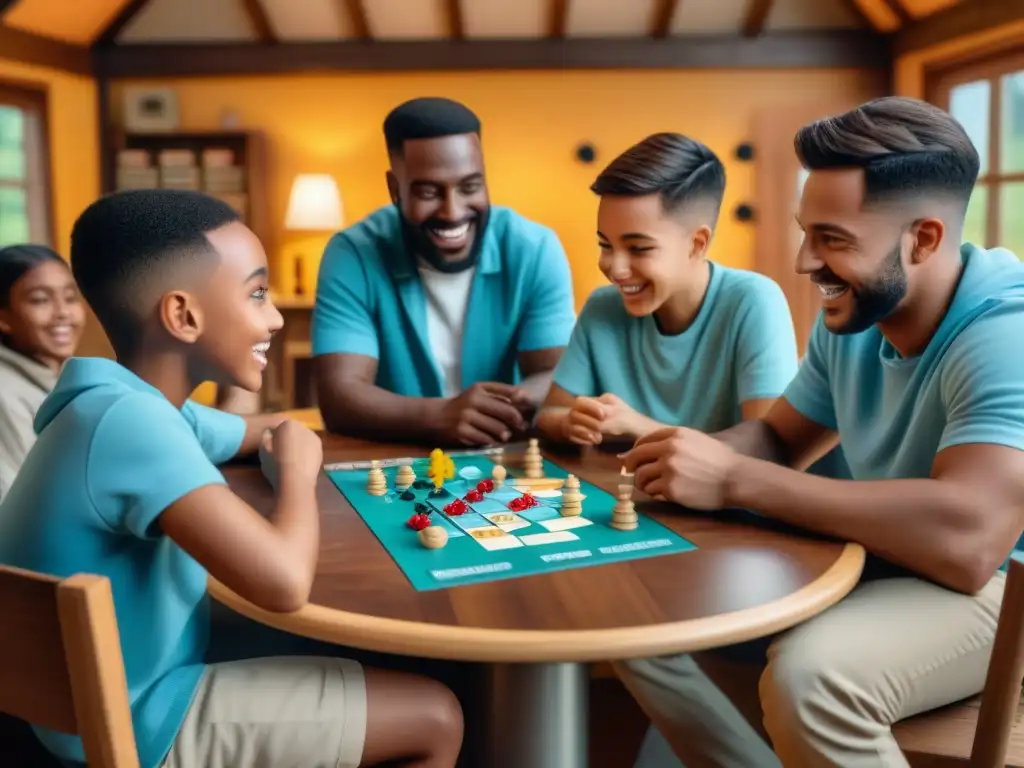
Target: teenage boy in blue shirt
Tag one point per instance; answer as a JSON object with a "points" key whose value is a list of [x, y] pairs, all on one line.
{"points": [[441, 317], [676, 339], [915, 363], [180, 287]]}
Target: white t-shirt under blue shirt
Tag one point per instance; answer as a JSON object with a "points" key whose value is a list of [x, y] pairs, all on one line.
{"points": [[740, 347]]}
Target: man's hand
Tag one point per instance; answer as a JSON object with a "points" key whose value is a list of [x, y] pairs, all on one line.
{"points": [[684, 466], [486, 413], [592, 418], [291, 451]]}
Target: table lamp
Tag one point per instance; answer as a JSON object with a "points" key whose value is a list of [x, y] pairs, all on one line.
{"points": [[314, 205]]}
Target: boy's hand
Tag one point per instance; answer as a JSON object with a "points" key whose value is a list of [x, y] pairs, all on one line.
{"points": [[291, 449], [591, 418]]}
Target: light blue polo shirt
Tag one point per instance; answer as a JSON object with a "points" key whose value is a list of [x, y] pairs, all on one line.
{"points": [[894, 414], [370, 301], [112, 455], [740, 347]]}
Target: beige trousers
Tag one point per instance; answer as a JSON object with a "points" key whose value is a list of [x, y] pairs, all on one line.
{"points": [[282, 712], [834, 685]]}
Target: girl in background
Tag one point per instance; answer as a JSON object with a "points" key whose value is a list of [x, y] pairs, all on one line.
{"points": [[41, 320]]}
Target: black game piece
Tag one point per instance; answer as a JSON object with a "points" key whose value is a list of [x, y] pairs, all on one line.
{"points": [[441, 492], [422, 485], [422, 508], [407, 496]]}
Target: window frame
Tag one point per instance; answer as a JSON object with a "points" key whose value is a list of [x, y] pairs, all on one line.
{"points": [[33, 100], [940, 84]]}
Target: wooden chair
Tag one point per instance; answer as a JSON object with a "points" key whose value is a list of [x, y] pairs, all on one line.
{"points": [[983, 732], [60, 662]]}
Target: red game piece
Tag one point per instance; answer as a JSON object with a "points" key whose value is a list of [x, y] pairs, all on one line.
{"points": [[485, 486], [457, 507], [474, 495], [516, 505], [418, 521], [530, 500]]}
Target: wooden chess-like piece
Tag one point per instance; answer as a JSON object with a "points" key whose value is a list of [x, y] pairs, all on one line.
{"points": [[498, 475], [433, 537], [533, 462], [624, 517], [572, 499], [376, 483], [405, 477]]}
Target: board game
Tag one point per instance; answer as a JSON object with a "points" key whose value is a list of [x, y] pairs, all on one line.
{"points": [[448, 521]]}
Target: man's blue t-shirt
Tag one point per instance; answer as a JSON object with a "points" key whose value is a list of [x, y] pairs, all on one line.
{"points": [[370, 301], [895, 414], [740, 347], [111, 456]]}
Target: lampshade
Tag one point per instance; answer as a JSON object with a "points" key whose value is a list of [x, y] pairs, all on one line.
{"points": [[314, 204]]}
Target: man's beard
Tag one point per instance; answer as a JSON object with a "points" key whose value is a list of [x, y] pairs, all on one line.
{"points": [[418, 241], [874, 302]]}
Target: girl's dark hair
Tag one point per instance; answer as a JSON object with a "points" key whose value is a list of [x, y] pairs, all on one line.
{"points": [[17, 261]]}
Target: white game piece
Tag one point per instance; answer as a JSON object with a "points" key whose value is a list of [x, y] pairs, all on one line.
{"points": [[405, 477], [571, 497], [533, 462], [624, 516], [498, 475], [376, 483], [470, 473], [433, 537]]}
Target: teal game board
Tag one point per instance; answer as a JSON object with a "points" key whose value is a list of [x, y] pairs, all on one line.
{"points": [[528, 542]]}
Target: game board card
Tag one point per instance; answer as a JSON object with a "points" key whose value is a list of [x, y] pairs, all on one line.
{"points": [[488, 506], [536, 514], [453, 530], [504, 495], [555, 537], [564, 523], [493, 538], [508, 521], [470, 520]]}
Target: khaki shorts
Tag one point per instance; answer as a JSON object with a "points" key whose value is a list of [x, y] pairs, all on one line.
{"points": [[288, 712]]}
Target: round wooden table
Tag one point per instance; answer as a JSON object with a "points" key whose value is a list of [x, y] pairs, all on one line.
{"points": [[747, 579]]}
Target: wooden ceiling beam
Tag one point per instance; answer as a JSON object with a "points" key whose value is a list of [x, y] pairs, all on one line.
{"points": [[859, 13], [260, 21], [456, 24], [790, 49], [558, 21], [664, 12], [109, 35], [757, 15], [899, 10], [44, 51], [357, 15], [964, 18]]}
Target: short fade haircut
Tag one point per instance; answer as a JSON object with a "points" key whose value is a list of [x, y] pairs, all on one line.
{"points": [[681, 170], [905, 147], [127, 246], [427, 118]]}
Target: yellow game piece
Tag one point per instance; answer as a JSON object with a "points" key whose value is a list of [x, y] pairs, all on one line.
{"points": [[441, 467]]}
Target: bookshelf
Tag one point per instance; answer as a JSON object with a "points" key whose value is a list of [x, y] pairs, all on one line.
{"points": [[231, 165]]}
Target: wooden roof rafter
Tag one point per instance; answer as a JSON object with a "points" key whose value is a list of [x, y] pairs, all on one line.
{"points": [[664, 13], [757, 15], [260, 21]]}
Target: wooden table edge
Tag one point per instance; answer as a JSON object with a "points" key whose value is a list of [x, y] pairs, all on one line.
{"points": [[478, 644]]}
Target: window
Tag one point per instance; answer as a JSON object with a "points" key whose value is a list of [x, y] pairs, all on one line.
{"points": [[24, 176], [987, 98]]}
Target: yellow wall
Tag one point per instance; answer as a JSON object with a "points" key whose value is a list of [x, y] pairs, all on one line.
{"points": [[532, 122]]}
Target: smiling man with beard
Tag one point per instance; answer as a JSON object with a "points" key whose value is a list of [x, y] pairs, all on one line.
{"points": [[915, 363], [441, 317]]}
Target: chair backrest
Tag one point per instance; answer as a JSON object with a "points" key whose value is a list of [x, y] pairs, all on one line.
{"points": [[60, 662], [1002, 693]]}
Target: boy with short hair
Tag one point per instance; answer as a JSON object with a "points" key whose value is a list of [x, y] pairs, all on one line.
{"points": [[676, 339], [179, 284]]}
